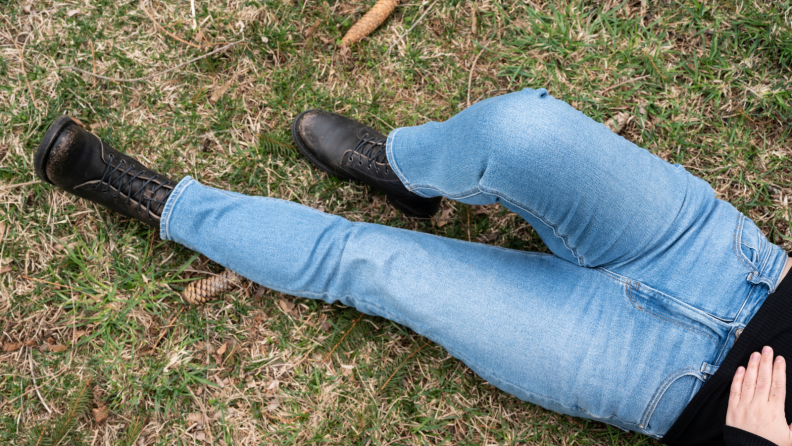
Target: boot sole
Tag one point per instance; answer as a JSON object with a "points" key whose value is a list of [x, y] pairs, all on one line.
{"points": [[43, 151], [307, 153]]}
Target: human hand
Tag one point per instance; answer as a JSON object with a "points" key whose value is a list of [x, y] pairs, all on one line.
{"points": [[756, 401]]}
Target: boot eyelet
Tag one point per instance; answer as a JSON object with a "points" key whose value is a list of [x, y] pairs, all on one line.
{"points": [[360, 163]]}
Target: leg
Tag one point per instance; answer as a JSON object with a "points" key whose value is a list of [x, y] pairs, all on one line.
{"points": [[574, 340], [596, 199]]}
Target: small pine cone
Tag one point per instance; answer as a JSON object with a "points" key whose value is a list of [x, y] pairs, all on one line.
{"points": [[370, 21], [201, 291]]}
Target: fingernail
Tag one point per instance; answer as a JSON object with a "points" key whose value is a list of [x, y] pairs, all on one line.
{"points": [[740, 370], [780, 359], [767, 350], [755, 356]]}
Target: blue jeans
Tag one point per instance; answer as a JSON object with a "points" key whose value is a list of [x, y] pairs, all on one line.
{"points": [[650, 280]]}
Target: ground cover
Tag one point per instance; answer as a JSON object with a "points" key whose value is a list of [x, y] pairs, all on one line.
{"points": [[92, 295]]}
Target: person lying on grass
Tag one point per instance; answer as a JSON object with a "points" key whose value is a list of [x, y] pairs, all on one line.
{"points": [[655, 295]]}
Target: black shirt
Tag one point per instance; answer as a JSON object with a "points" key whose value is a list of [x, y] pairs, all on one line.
{"points": [[703, 421]]}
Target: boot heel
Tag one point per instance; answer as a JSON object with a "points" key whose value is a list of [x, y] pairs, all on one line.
{"points": [[43, 151]]}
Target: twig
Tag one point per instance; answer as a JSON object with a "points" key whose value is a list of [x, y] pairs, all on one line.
{"points": [[165, 329], [12, 186], [405, 360], [192, 6], [399, 39], [151, 76], [623, 83], [35, 385], [161, 28], [39, 280], [343, 337], [470, 78]]}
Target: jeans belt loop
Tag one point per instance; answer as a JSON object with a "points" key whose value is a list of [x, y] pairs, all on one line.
{"points": [[709, 369]]}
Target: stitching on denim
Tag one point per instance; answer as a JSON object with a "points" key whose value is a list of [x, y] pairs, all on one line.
{"points": [[658, 395], [670, 321], [745, 302], [389, 142], [614, 417], [686, 305], [736, 243], [613, 275], [171, 204], [472, 192]]}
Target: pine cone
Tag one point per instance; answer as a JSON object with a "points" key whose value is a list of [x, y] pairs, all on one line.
{"points": [[370, 21], [201, 291]]}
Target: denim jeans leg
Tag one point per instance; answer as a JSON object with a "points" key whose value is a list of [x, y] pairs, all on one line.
{"points": [[595, 198], [580, 341]]}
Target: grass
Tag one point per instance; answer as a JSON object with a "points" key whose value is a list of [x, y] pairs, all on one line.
{"points": [[702, 83]]}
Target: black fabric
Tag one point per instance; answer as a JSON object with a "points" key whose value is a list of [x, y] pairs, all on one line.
{"points": [[738, 437], [703, 420]]}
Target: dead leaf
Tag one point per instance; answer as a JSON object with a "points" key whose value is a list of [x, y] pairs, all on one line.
{"points": [[2, 230], [260, 291], [273, 404], [286, 306], [100, 414], [73, 12], [6, 269], [30, 343], [222, 349], [199, 37], [272, 388], [312, 28], [446, 216], [220, 91], [57, 348], [12, 346], [617, 122], [196, 418], [200, 436]]}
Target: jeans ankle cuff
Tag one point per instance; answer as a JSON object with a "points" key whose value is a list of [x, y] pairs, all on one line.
{"points": [[171, 203]]}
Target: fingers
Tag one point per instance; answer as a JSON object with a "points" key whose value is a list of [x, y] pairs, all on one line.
{"points": [[778, 387], [736, 388], [765, 375], [749, 381]]}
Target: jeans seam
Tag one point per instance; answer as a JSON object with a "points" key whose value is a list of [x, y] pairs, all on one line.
{"points": [[738, 240], [479, 190], [670, 321], [658, 394]]}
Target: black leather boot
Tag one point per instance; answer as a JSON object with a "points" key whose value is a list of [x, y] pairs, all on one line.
{"points": [[351, 150], [80, 163]]}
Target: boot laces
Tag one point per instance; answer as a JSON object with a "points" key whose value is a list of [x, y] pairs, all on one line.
{"points": [[132, 192], [373, 150]]}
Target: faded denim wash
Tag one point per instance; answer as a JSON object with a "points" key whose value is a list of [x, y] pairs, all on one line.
{"points": [[650, 280]]}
